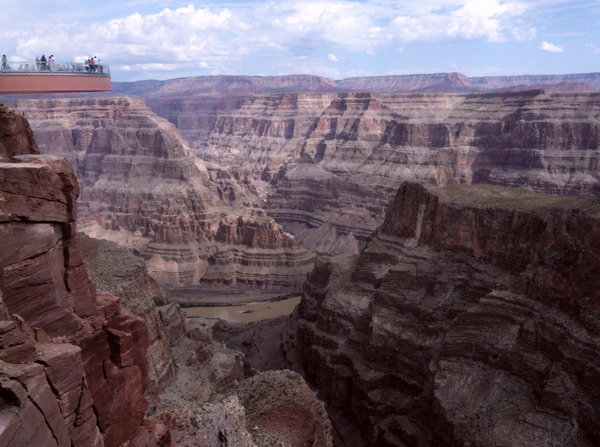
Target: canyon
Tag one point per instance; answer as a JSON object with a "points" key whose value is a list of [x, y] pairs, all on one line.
{"points": [[455, 240], [322, 165]]}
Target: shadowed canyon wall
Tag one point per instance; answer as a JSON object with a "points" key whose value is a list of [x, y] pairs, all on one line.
{"points": [[470, 318]]}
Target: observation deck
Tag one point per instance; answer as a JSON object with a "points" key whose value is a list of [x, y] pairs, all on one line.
{"points": [[23, 77]]}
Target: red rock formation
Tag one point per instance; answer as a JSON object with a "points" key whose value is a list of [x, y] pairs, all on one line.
{"points": [[74, 364], [470, 315]]}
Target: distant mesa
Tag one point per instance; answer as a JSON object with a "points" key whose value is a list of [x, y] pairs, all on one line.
{"points": [[188, 88]]}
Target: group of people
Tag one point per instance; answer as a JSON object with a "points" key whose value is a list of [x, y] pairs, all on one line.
{"points": [[91, 65], [43, 64]]}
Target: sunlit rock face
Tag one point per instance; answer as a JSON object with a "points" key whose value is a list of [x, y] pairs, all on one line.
{"points": [[470, 318], [142, 188]]}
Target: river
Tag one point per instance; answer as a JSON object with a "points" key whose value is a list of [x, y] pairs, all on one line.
{"points": [[245, 313]]}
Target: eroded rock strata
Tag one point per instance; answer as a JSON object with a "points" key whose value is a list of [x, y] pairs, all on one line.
{"points": [[470, 318], [332, 161], [73, 367], [142, 188]]}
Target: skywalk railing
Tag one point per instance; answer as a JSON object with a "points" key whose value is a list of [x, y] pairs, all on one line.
{"points": [[56, 67]]}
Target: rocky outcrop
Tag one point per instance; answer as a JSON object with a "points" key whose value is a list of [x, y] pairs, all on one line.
{"points": [[65, 349], [118, 271], [210, 404], [470, 318], [142, 188], [282, 410]]}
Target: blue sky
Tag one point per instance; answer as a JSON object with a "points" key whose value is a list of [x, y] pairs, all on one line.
{"points": [[333, 38]]}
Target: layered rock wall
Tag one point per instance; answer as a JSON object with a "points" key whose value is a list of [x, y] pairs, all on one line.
{"points": [[65, 350], [142, 188], [470, 318], [335, 159]]}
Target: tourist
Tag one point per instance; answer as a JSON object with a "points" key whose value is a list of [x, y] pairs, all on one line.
{"points": [[51, 62], [4, 62], [43, 62], [37, 63]]}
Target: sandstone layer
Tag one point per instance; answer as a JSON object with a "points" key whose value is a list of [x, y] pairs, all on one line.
{"points": [[471, 317], [328, 163], [142, 188], [73, 368]]}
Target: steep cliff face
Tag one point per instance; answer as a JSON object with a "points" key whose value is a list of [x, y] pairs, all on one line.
{"points": [[64, 348], [143, 189], [335, 159], [470, 318]]}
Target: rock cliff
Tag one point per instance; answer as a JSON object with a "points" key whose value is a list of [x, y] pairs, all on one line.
{"points": [[142, 188], [65, 349], [502, 82], [471, 317]]}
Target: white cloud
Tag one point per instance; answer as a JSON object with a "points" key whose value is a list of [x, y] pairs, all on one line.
{"points": [[547, 46], [224, 36], [488, 20]]}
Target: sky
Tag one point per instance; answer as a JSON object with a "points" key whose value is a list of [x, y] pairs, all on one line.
{"points": [[332, 38]]}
